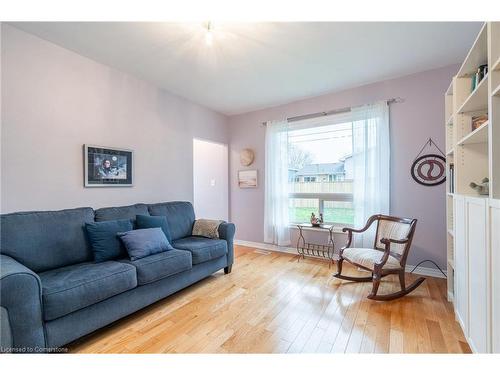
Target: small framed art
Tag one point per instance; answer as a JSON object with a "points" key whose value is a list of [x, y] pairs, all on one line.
{"points": [[247, 178], [107, 166]]}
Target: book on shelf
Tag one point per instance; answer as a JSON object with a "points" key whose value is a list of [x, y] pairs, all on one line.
{"points": [[451, 175], [477, 121]]}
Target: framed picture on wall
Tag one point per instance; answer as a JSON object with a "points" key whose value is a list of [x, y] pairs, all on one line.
{"points": [[247, 178], [107, 166]]}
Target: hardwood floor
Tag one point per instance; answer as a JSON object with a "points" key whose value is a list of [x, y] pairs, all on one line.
{"points": [[271, 303]]}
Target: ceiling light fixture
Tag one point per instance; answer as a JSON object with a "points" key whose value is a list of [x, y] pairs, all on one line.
{"points": [[209, 38]]}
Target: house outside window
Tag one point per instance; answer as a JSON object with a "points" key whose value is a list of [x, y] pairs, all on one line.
{"points": [[310, 179]]}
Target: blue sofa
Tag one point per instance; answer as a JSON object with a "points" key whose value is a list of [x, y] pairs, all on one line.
{"points": [[53, 293]]}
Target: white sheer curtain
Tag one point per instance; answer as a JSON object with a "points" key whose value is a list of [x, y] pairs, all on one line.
{"points": [[276, 229], [371, 165]]}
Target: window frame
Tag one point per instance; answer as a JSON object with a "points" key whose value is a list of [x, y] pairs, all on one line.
{"points": [[323, 197]]}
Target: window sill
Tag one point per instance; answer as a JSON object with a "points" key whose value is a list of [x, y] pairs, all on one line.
{"points": [[336, 229]]}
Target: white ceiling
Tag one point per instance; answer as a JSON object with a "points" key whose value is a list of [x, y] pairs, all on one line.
{"points": [[257, 65]]}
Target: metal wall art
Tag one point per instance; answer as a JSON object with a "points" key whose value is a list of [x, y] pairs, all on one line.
{"points": [[429, 169]]}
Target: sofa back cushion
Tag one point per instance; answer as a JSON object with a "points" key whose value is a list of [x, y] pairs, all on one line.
{"points": [[148, 221], [121, 213], [180, 217], [45, 240]]}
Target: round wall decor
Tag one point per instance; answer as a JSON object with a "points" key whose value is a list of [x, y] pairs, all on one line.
{"points": [[429, 170], [246, 157]]}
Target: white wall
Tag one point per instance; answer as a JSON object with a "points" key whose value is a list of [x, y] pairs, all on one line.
{"points": [[55, 100], [210, 175]]}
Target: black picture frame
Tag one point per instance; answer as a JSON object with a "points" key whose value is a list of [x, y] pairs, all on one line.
{"points": [[107, 166]]}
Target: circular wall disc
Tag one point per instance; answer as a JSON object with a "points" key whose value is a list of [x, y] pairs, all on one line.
{"points": [[429, 170]]}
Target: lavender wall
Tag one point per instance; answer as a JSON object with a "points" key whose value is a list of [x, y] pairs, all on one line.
{"points": [[55, 100], [420, 116]]}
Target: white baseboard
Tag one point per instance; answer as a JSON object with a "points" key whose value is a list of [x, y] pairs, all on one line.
{"points": [[266, 246], [425, 271], [458, 318]]}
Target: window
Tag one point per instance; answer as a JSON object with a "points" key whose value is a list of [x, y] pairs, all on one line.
{"points": [[337, 145], [321, 154]]}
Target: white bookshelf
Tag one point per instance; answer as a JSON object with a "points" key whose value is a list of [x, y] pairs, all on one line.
{"points": [[474, 154]]}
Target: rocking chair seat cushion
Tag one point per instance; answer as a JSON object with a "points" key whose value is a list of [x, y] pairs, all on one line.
{"points": [[368, 257]]}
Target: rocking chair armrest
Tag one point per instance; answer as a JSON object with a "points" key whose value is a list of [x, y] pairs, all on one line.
{"points": [[387, 241]]}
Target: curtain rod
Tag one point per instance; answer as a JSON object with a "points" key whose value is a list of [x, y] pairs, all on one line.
{"points": [[332, 112]]}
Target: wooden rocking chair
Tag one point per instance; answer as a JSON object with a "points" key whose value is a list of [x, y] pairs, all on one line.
{"points": [[388, 256]]}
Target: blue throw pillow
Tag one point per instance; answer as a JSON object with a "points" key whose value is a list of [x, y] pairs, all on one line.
{"points": [[141, 243], [145, 221], [104, 240]]}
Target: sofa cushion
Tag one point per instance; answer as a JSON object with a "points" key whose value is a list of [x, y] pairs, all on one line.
{"points": [[43, 240], [104, 239], [202, 249], [180, 217], [72, 288], [147, 221], [141, 243], [159, 266], [120, 213]]}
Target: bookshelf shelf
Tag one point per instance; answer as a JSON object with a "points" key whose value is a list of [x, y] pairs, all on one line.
{"points": [[496, 91], [478, 99], [496, 65], [480, 135]]}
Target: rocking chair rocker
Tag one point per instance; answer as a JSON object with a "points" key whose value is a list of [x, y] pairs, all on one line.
{"points": [[383, 259]]}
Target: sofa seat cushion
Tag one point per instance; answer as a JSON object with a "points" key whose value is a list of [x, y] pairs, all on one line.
{"points": [[161, 265], [202, 249], [72, 288]]}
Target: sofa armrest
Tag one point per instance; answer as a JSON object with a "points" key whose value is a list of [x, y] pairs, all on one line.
{"points": [[21, 297], [226, 232]]}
